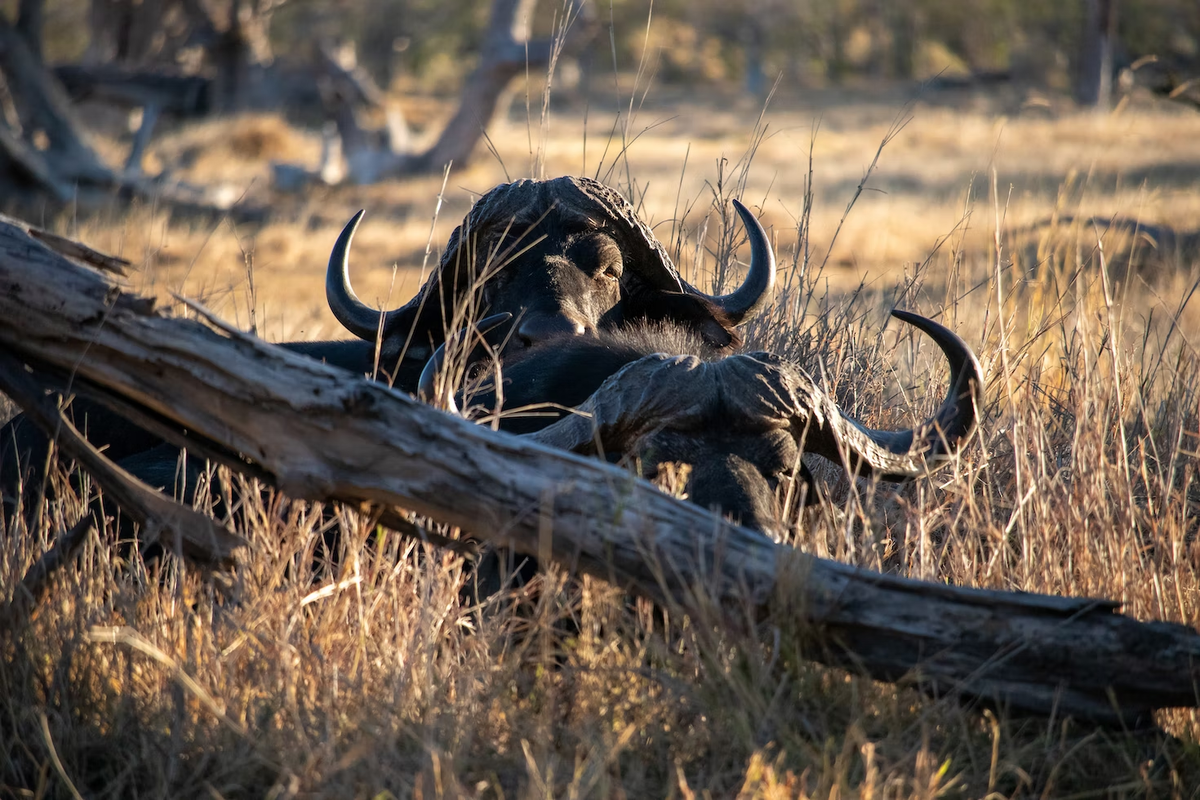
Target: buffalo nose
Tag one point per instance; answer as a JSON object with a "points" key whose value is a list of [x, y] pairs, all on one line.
{"points": [[537, 328]]}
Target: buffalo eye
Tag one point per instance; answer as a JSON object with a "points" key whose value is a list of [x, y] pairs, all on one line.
{"points": [[599, 256], [496, 283]]}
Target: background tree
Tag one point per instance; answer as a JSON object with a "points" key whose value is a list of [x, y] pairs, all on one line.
{"points": [[1095, 83]]}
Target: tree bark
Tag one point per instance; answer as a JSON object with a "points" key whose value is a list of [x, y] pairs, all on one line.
{"points": [[753, 36], [238, 51], [903, 22], [170, 90], [68, 169], [43, 105], [31, 19], [31, 165], [506, 52], [131, 33], [1096, 61], [322, 434]]}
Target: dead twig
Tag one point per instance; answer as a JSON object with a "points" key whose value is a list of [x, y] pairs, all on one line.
{"points": [[81, 252], [35, 584]]}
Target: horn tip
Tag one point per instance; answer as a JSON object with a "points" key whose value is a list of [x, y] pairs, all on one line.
{"points": [[342, 249], [352, 225], [745, 213], [488, 324]]}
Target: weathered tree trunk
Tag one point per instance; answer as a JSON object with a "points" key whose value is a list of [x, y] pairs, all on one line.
{"points": [[151, 34], [240, 53], [835, 57], [170, 90], [68, 169], [321, 434], [17, 156], [903, 22], [131, 33], [31, 19], [1096, 59], [753, 35], [44, 106], [507, 51]]}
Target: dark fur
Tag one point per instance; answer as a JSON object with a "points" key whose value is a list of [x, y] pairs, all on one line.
{"points": [[556, 296], [575, 281], [733, 471], [558, 269]]}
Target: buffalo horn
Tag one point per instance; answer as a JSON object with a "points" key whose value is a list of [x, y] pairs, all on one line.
{"points": [[426, 385], [357, 317], [901, 455], [748, 299]]}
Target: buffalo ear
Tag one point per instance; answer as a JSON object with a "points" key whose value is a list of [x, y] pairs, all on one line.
{"points": [[696, 314], [421, 330], [715, 334]]}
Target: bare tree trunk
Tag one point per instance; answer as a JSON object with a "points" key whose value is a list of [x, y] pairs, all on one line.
{"points": [[1096, 61], [43, 105], [835, 60], [238, 51], [31, 165], [31, 19], [753, 42], [875, 21], [320, 434], [68, 165], [103, 23], [131, 33], [905, 34], [506, 53], [133, 164]]}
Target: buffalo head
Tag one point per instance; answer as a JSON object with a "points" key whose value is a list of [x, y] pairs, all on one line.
{"points": [[740, 422], [564, 257]]}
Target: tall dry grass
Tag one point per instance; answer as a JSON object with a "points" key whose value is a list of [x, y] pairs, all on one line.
{"points": [[379, 672]]}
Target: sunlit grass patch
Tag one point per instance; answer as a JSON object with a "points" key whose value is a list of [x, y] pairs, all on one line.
{"points": [[341, 660]]}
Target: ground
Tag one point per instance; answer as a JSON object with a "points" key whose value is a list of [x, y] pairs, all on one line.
{"points": [[385, 677], [939, 176]]}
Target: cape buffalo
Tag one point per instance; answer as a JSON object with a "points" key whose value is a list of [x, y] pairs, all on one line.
{"points": [[564, 257], [740, 422]]}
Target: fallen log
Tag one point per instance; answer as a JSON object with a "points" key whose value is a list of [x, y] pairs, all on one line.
{"points": [[321, 434], [172, 93]]}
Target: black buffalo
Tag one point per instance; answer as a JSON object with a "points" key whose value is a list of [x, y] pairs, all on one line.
{"points": [[565, 257], [661, 394]]}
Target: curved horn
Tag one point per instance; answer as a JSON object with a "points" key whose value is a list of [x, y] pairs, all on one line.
{"points": [[427, 384], [357, 317], [901, 455], [958, 414], [744, 302]]}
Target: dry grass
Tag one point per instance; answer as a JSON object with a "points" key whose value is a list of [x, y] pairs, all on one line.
{"points": [[936, 176], [379, 676]]}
